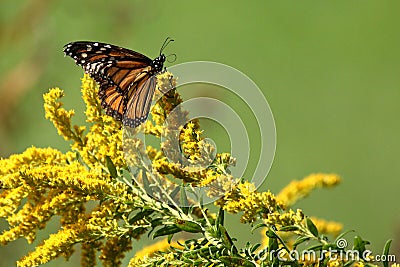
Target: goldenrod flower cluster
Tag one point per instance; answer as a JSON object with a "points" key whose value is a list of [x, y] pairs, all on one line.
{"points": [[43, 182], [90, 188], [244, 198], [300, 189]]}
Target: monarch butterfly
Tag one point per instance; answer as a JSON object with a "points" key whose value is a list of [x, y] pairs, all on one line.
{"points": [[126, 78]]}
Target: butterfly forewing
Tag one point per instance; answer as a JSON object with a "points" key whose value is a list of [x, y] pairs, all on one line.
{"points": [[90, 51], [125, 77]]}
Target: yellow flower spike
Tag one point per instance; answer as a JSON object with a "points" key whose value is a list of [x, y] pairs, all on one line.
{"points": [[55, 245], [60, 117], [89, 94], [11, 199], [31, 156], [168, 102], [104, 139], [105, 136], [244, 198], [299, 189], [26, 224], [150, 250], [327, 227]]}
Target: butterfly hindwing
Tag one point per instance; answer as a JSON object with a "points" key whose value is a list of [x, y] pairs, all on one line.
{"points": [[138, 106]]}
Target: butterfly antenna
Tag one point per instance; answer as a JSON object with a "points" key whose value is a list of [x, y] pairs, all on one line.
{"points": [[166, 42]]}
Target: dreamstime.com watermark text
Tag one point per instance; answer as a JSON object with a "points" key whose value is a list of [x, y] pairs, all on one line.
{"points": [[331, 254]]}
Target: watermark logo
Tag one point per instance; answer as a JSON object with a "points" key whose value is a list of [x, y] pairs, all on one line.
{"points": [[341, 243], [225, 80], [332, 254]]}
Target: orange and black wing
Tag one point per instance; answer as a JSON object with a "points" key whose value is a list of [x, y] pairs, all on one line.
{"points": [[139, 103], [123, 76]]}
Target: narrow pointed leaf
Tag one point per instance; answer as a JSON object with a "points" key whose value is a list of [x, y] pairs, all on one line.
{"points": [[111, 167], [385, 252], [167, 230], [259, 225], [220, 218], [311, 226], [301, 240], [188, 226], [140, 215]]}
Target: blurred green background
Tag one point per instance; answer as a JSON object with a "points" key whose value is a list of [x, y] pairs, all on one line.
{"points": [[329, 69]]}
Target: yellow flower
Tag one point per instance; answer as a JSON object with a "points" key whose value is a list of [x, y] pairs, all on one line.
{"points": [[288, 218], [60, 117], [89, 94], [327, 227], [89, 188], [55, 245], [335, 263], [244, 198], [300, 189], [150, 250], [361, 264]]}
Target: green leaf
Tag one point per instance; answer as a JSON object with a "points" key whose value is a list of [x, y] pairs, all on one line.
{"points": [[259, 225], [140, 215], [111, 167], [279, 238], [220, 218], [273, 244], [227, 239], [330, 246], [300, 240], [255, 247], [156, 222], [183, 197], [167, 230], [289, 228], [174, 192], [146, 183], [188, 226], [349, 263], [385, 252], [359, 244], [315, 247], [271, 233], [237, 261], [170, 238], [311, 226]]}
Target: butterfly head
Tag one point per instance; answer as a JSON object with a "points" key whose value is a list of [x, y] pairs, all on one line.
{"points": [[158, 63]]}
